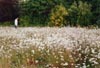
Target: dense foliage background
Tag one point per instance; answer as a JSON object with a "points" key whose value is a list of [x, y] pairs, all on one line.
{"points": [[54, 12], [8, 10]]}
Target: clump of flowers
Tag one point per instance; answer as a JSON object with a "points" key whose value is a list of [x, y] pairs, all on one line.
{"points": [[86, 55]]}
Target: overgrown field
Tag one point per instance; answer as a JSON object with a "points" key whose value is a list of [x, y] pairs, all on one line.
{"points": [[45, 47]]}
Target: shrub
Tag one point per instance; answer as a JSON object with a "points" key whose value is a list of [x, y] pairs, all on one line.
{"points": [[84, 14], [98, 23], [80, 14], [57, 16], [24, 21], [7, 23]]}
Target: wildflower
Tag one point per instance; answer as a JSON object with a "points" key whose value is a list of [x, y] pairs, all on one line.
{"points": [[64, 64], [98, 55], [33, 51]]}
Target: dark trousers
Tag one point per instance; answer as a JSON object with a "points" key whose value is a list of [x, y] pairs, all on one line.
{"points": [[16, 26]]}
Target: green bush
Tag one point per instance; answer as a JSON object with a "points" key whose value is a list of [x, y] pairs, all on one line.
{"points": [[98, 23], [7, 23], [80, 14], [73, 14], [84, 14], [39, 21], [24, 21], [57, 16]]}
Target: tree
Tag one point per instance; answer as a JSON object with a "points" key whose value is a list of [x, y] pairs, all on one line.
{"points": [[8, 10], [57, 16], [73, 14], [96, 11], [80, 14], [84, 14], [38, 10]]}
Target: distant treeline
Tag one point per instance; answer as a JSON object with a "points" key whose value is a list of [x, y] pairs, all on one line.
{"points": [[54, 12]]}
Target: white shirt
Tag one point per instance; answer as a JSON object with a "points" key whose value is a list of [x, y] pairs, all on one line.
{"points": [[16, 22]]}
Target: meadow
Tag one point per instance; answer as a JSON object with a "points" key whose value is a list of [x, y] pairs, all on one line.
{"points": [[46, 47]]}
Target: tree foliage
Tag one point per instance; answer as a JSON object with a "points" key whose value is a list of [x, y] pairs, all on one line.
{"points": [[80, 12], [84, 15], [8, 9], [57, 16]]}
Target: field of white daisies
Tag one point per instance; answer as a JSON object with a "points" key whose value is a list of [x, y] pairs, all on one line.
{"points": [[46, 47]]}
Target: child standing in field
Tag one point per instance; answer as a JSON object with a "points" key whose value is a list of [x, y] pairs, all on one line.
{"points": [[16, 22]]}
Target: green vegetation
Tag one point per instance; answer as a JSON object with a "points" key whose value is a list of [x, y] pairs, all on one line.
{"points": [[79, 12], [57, 16]]}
